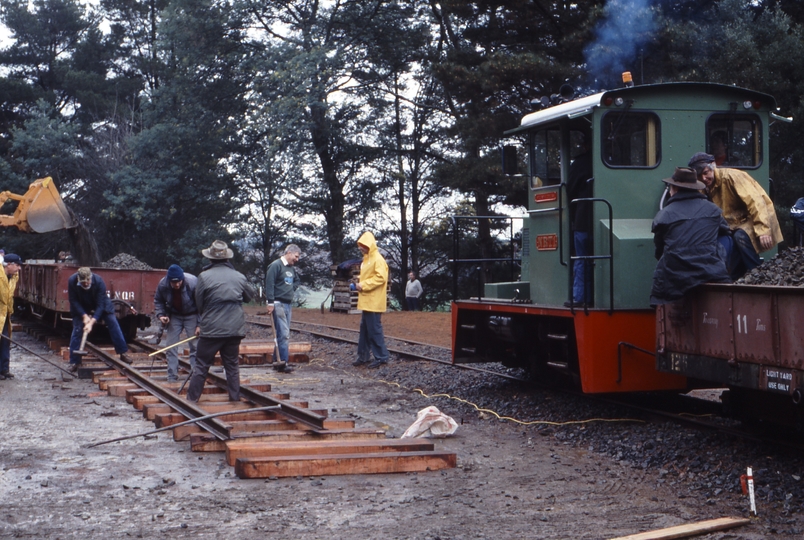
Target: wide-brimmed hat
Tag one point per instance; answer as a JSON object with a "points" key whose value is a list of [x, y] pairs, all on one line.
{"points": [[686, 178], [218, 251]]}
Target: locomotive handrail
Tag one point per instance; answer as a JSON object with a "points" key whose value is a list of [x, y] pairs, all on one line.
{"points": [[610, 256], [456, 260]]}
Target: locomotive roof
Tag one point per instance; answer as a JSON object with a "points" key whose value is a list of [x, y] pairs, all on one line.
{"points": [[585, 105]]}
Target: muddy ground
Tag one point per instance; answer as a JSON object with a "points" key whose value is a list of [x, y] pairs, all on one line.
{"points": [[509, 483]]}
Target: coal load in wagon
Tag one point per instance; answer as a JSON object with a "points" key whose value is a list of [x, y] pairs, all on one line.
{"points": [[783, 269], [125, 261]]}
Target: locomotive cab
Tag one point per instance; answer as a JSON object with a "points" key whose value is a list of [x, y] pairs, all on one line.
{"points": [[632, 138]]}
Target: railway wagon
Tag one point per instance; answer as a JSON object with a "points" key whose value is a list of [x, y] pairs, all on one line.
{"points": [[42, 291], [637, 135], [742, 337]]}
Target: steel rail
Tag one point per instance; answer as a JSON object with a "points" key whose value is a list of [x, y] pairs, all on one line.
{"points": [[183, 406], [399, 351], [262, 399], [412, 342]]}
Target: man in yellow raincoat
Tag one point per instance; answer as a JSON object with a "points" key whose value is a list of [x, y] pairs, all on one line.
{"points": [[372, 301], [744, 203], [8, 282]]}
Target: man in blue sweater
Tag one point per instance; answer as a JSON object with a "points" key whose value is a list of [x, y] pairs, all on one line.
{"points": [[281, 282]]}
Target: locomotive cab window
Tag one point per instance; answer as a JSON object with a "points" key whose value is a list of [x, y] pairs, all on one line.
{"points": [[734, 140], [545, 155], [630, 139]]}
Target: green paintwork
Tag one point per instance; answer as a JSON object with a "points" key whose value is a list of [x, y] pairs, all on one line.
{"points": [[634, 193]]}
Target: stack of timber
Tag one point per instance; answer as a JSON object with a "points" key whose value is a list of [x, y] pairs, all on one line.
{"points": [[343, 299], [276, 443], [253, 352]]}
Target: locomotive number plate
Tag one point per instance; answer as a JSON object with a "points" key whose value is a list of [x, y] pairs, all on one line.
{"points": [[776, 380], [545, 197], [547, 242]]}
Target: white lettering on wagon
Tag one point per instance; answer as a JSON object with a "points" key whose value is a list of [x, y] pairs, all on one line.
{"points": [[778, 380], [127, 296], [709, 320], [760, 326]]}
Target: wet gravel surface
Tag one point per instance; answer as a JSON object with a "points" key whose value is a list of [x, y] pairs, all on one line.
{"points": [[696, 463], [549, 469]]}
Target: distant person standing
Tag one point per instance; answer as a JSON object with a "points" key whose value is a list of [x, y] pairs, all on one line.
{"points": [[372, 301], [281, 282], [8, 283], [89, 303], [174, 301], [220, 294], [413, 291]]}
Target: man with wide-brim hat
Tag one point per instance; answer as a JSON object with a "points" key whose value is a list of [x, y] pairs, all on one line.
{"points": [[684, 178], [218, 251], [744, 203], [220, 293], [685, 233]]}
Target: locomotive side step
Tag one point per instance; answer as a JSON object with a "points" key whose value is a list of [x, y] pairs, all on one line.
{"points": [[468, 327], [558, 337], [470, 350]]}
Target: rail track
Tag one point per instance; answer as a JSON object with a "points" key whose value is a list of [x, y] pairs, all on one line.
{"points": [[264, 434]]}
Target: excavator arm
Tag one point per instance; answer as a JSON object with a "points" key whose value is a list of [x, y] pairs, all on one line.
{"points": [[39, 210]]}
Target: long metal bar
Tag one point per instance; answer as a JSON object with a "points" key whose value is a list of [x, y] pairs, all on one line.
{"points": [[186, 422], [190, 410]]}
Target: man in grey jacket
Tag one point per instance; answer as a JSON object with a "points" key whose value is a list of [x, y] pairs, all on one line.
{"points": [[220, 294], [174, 301]]}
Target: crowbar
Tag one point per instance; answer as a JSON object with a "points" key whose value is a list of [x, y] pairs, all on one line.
{"points": [[174, 345]]}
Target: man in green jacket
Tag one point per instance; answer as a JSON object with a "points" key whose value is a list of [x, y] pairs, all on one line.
{"points": [[372, 301], [281, 282]]}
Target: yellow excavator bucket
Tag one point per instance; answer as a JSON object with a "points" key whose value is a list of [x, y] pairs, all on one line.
{"points": [[39, 210]]}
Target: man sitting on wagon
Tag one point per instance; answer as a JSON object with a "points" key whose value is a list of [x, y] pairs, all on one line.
{"points": [[746, 207], [685, 233]]}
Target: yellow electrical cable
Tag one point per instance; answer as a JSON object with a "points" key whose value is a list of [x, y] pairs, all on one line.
{"points": [[507, 418]]}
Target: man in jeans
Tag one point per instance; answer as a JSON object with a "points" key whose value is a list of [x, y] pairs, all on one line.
{"points": [[89, 304], [281, 282], [372, 300], [174, 301]]}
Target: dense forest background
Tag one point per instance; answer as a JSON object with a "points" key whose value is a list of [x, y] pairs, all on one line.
{"points": [[167, 124]]}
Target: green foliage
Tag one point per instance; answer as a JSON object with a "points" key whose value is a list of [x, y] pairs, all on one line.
{"points": [[262, 123]]}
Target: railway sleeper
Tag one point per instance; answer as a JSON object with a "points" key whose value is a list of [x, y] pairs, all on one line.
{"points": [[271, 444]]}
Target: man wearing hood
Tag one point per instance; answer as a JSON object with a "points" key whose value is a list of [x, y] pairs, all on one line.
{"points": [[8, 283], [372, 301]]}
